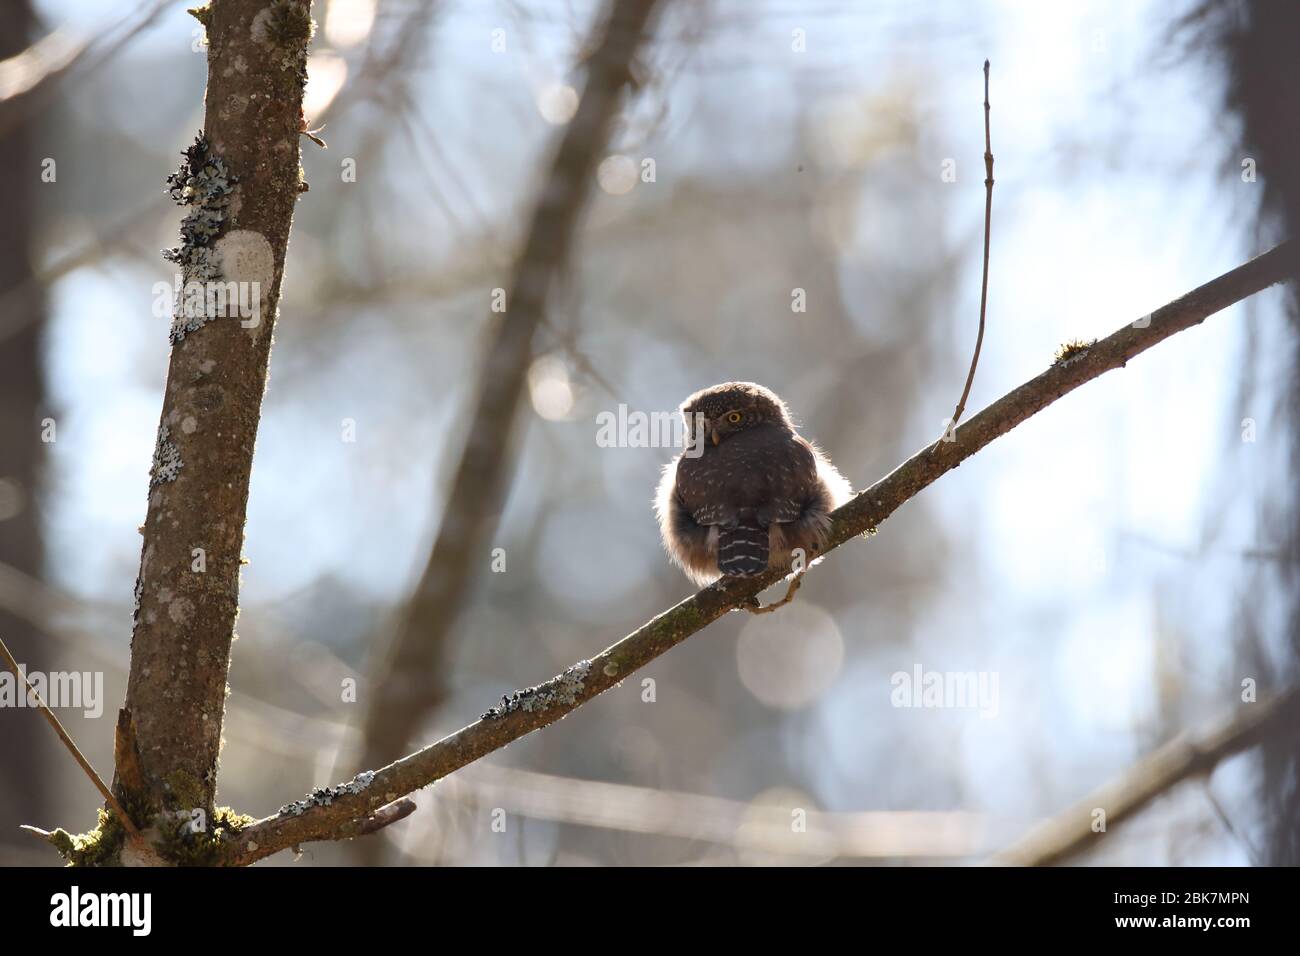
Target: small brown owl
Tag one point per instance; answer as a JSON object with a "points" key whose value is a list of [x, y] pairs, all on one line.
{"points": [[747, 491]]}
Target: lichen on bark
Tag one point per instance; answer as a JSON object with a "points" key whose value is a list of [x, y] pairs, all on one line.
{"points": [[205, 183]]}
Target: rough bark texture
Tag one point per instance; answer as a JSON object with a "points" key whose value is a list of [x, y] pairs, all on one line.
{"points": [[407, 687], [185, 618], [329, 813]]}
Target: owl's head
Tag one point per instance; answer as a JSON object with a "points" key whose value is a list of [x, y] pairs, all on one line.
{"points": [[732, 407]]}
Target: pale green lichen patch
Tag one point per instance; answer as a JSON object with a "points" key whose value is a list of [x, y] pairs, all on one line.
{"points": [[284, 28], [203, 14], [562, 690], [182, 845], [97, 847], [167, 463], [183, 790], [204, 183], [171, 838]]}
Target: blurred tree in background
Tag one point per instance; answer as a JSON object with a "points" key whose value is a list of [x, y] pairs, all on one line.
{"points": [[24, 789]]}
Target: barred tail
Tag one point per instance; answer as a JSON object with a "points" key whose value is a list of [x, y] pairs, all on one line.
{"points": [[743, 550]]}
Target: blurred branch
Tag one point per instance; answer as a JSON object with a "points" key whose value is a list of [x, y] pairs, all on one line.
{"points": [[540, 706], [1251, 853], [28, 80], [42, 62], [380, 73], [407, 687], [268, 731], [39, 604], [758, 826], [493, 249], [104, 242], [1063, 836], [389, 65]]}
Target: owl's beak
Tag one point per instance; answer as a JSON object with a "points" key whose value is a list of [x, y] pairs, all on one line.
{"points": [[713, 433]]}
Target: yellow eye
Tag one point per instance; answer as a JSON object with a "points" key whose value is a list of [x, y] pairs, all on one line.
{"points": [[734, 417]]}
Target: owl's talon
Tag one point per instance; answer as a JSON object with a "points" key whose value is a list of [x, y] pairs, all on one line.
{"points": [[756, 608]]}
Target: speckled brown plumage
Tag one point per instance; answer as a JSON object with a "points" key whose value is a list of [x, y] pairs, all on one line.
{"points": [[749, 491]]}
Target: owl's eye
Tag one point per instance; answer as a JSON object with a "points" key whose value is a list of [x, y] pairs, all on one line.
{"points": [[734, 417]]}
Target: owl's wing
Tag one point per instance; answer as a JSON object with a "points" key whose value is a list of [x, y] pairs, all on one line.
{"points": [[783, 510], [794, 487], [713, 513], [696, 492]]}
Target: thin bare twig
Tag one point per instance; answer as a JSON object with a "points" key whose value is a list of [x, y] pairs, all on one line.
{"points": [[14, 319], [384, 816], [69, 743], [984, 284], [541, 706], [1229, 826]]}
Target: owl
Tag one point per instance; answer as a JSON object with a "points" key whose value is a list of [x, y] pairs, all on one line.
{"points": [[748, 490]]}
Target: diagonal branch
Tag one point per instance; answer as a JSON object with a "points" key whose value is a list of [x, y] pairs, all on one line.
{"points": [[25, 688], [1063, 836], [324, 815]]}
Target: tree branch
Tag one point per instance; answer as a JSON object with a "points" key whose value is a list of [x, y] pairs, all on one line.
{"points": [[1063, 836], [241, 182], [322, 815]]}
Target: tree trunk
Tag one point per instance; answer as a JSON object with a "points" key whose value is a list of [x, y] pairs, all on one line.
{"points": [[240, 181]]}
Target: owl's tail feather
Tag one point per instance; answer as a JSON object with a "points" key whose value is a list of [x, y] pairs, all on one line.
{"points": [[743, 550]]}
